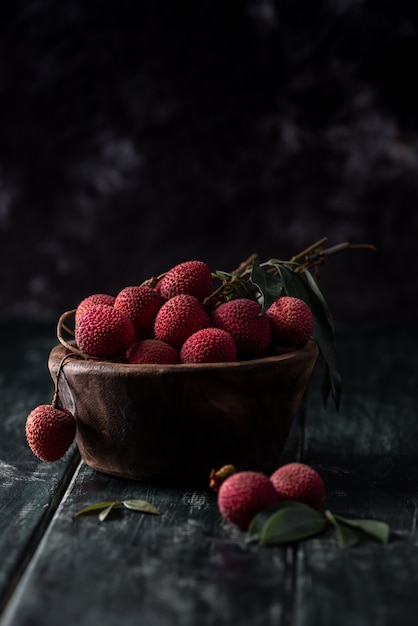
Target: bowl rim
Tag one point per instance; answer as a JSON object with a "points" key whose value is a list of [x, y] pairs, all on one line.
{"points": [[59, 352]]}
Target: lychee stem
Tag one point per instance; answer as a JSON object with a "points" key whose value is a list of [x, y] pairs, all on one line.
{"points": [[237, 274], [151, 282], [315, 255], [304, 253], [55, 398], [217, 477], [60, 327], [242, 267], [312, 256]]}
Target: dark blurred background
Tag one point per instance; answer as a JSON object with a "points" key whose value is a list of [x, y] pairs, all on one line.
{"points": [[135, 135]]}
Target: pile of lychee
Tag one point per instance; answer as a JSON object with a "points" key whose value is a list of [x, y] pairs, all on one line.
{"points": [[171, 320], [241, 495], [171, 323]]}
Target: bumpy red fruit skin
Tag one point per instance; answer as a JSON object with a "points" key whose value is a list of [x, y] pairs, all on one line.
{"points": [[291, 321], [243, 495], [242, 319], [104, 332], [153, 351], [298, 481], [50, 431], [191, 277], [87, 303], [179, 318], [209, 345], [141, 304]]}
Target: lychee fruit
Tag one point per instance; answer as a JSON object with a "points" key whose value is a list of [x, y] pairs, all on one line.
{"points": [[87, 303], [104, 332], [298, 481], [190, 277], [178, 318], [152, 351], [249, 327], [141, 304], [50, 431], [291, 321], [244, 494], [209, 345]]}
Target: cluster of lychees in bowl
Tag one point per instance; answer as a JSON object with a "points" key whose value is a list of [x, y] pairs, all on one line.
{"points": [[176, 375], [169, 323]]}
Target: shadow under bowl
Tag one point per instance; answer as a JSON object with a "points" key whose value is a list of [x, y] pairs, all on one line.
{"points": [[175, 423]]}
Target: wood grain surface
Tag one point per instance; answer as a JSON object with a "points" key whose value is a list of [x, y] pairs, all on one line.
{"points": [[188, 566], [30, 490]]}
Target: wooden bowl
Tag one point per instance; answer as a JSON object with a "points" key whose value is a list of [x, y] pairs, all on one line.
{"points": [[174, 423]]}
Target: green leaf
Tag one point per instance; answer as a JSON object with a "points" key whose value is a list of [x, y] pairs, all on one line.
{"points": [[105, 507], [223, 276], [141, 505], [346, 536], [269, 285], [93, 508], [105, 512], [318, 293], [373, 528], [324, 334], [292, 522], [256, 526], [244, 289]]}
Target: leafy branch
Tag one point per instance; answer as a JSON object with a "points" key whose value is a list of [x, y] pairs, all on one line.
{"points": [[291, 521], [266, 281]]}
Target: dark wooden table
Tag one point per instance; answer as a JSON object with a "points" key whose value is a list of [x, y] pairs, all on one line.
{"points": [[188, 566]]}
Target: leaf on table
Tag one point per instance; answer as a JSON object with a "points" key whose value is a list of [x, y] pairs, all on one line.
{"points": [[141, 505], [286, 523], [93, 508], [106, 507], [346, 536], [292, 525], [256, 525], [291, 521], [105, 512], [373, 528]]}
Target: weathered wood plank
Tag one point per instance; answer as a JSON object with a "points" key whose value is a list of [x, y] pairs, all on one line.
{"points": [[185, 567], [188, 566], [29, 489], [367, 455], [367, 450]]}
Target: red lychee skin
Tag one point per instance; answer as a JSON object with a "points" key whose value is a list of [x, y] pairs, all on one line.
{"points": [[50, 431], [298, 481], [209, 345], [179, 318], [242, 319], [190, 277], [243, 495], [104, 332], [141, 304], [153, 351], [291, 321], [87, 303]]}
